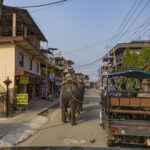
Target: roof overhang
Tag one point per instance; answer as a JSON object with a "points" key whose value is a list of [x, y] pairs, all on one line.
{"points": [[22, 72]]}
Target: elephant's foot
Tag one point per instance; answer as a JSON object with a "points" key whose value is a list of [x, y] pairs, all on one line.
{"points": [[77, 114], [64, 121], [66, 114], [74, 123], [69, 116]]}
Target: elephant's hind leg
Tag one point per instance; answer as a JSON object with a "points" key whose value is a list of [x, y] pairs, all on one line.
{"points": [[63, 112], [81, 107], [73, 119]]}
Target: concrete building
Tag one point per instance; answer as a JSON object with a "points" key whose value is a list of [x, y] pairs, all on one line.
{"points": [[59, 64], [113, 59], [107, 67], [21, 58], [119, 50], [68, 66]]}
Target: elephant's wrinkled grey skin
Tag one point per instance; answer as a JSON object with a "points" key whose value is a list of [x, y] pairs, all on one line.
{"points": [[70, 96], [82, 89]]}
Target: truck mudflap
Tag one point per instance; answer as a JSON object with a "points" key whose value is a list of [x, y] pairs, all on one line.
{"points": [[130, 128]]}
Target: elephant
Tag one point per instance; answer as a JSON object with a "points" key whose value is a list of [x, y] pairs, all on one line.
{"points": [[82, 89], [70, 96]]}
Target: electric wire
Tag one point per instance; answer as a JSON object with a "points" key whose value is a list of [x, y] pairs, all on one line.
{"points": [[103, 41], [144, 24], [129, 19], [139, 14], [141, 33], [124, 20], [42, 5]]}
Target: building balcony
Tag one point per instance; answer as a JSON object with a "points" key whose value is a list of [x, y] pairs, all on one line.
{"points": [[119, 61], [9, 31], [20, 38], [61, 63]]}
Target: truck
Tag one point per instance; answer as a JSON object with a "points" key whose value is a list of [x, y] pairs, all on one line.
{"points": [[125, 116]]}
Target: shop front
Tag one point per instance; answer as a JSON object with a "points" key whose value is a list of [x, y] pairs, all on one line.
{"points": [[30, 84]]}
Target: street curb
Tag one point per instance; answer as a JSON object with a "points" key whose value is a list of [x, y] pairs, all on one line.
{"points": [[45, 110], [22, 133]]}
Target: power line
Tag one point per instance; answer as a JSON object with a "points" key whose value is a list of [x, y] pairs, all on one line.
{"points": [[43, 9], [95, 61], [120, 27], [37, 10], [42, 5], [140, 28], [91, 63], [129, 18], [141, 33], [103, 41], [145, 32], [139, 14]]}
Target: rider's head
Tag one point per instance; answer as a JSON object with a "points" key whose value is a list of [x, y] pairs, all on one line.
{"points": [[111, 82]]}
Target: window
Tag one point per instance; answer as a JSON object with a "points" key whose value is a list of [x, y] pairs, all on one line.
{"points": [[37, 45], [30, 64], [21, 59], [37, 67]]}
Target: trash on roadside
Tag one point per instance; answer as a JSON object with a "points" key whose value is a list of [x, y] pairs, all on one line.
{"points": [[92, 141]]}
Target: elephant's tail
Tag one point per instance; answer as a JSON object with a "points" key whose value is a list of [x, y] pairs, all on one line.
{"points": [[77, 100]]}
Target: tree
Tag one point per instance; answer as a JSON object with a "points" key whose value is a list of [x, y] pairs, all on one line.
{"points": [[144, 59], [86, 78], [130, 61], [126, 60]]}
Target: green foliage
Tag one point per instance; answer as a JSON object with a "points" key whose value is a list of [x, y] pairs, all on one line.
{"points": [[130, 62], [86, 78], [144, 59], [126, 60]]}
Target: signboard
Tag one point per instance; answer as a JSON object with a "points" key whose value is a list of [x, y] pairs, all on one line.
{"points": [[24, 80], [22, 99]]}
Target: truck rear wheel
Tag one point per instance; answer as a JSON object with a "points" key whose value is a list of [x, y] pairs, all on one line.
{"points": [[109, 141]]}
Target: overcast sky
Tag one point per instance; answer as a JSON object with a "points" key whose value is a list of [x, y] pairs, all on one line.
{"points": [[77, 24]]}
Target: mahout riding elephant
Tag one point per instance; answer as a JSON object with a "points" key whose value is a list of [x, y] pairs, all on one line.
{"points": [[70, 96]]}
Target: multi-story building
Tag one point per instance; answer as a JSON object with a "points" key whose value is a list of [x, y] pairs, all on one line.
{"points": [[20, 52], [107, 67], [56, 76], [119, 50], [68, 66], [113, 59]]}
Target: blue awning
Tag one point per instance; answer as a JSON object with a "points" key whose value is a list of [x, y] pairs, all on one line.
{"points": [[130, 74]]}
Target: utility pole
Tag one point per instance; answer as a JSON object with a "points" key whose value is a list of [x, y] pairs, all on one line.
{"points": [[114, 59]]}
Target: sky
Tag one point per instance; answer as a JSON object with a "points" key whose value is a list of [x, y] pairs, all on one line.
{"points": [[81, 29]]}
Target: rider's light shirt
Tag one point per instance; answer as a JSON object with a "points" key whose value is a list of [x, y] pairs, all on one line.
{"points": [[112, 90]]}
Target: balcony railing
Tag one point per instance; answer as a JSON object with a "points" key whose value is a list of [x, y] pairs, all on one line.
{"points": [[10, 31]]}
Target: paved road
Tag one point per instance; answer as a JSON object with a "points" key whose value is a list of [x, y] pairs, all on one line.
{"points": [[86, 133]]}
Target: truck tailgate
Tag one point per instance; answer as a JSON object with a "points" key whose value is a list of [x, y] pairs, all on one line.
{"points": [[130, 127]]}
